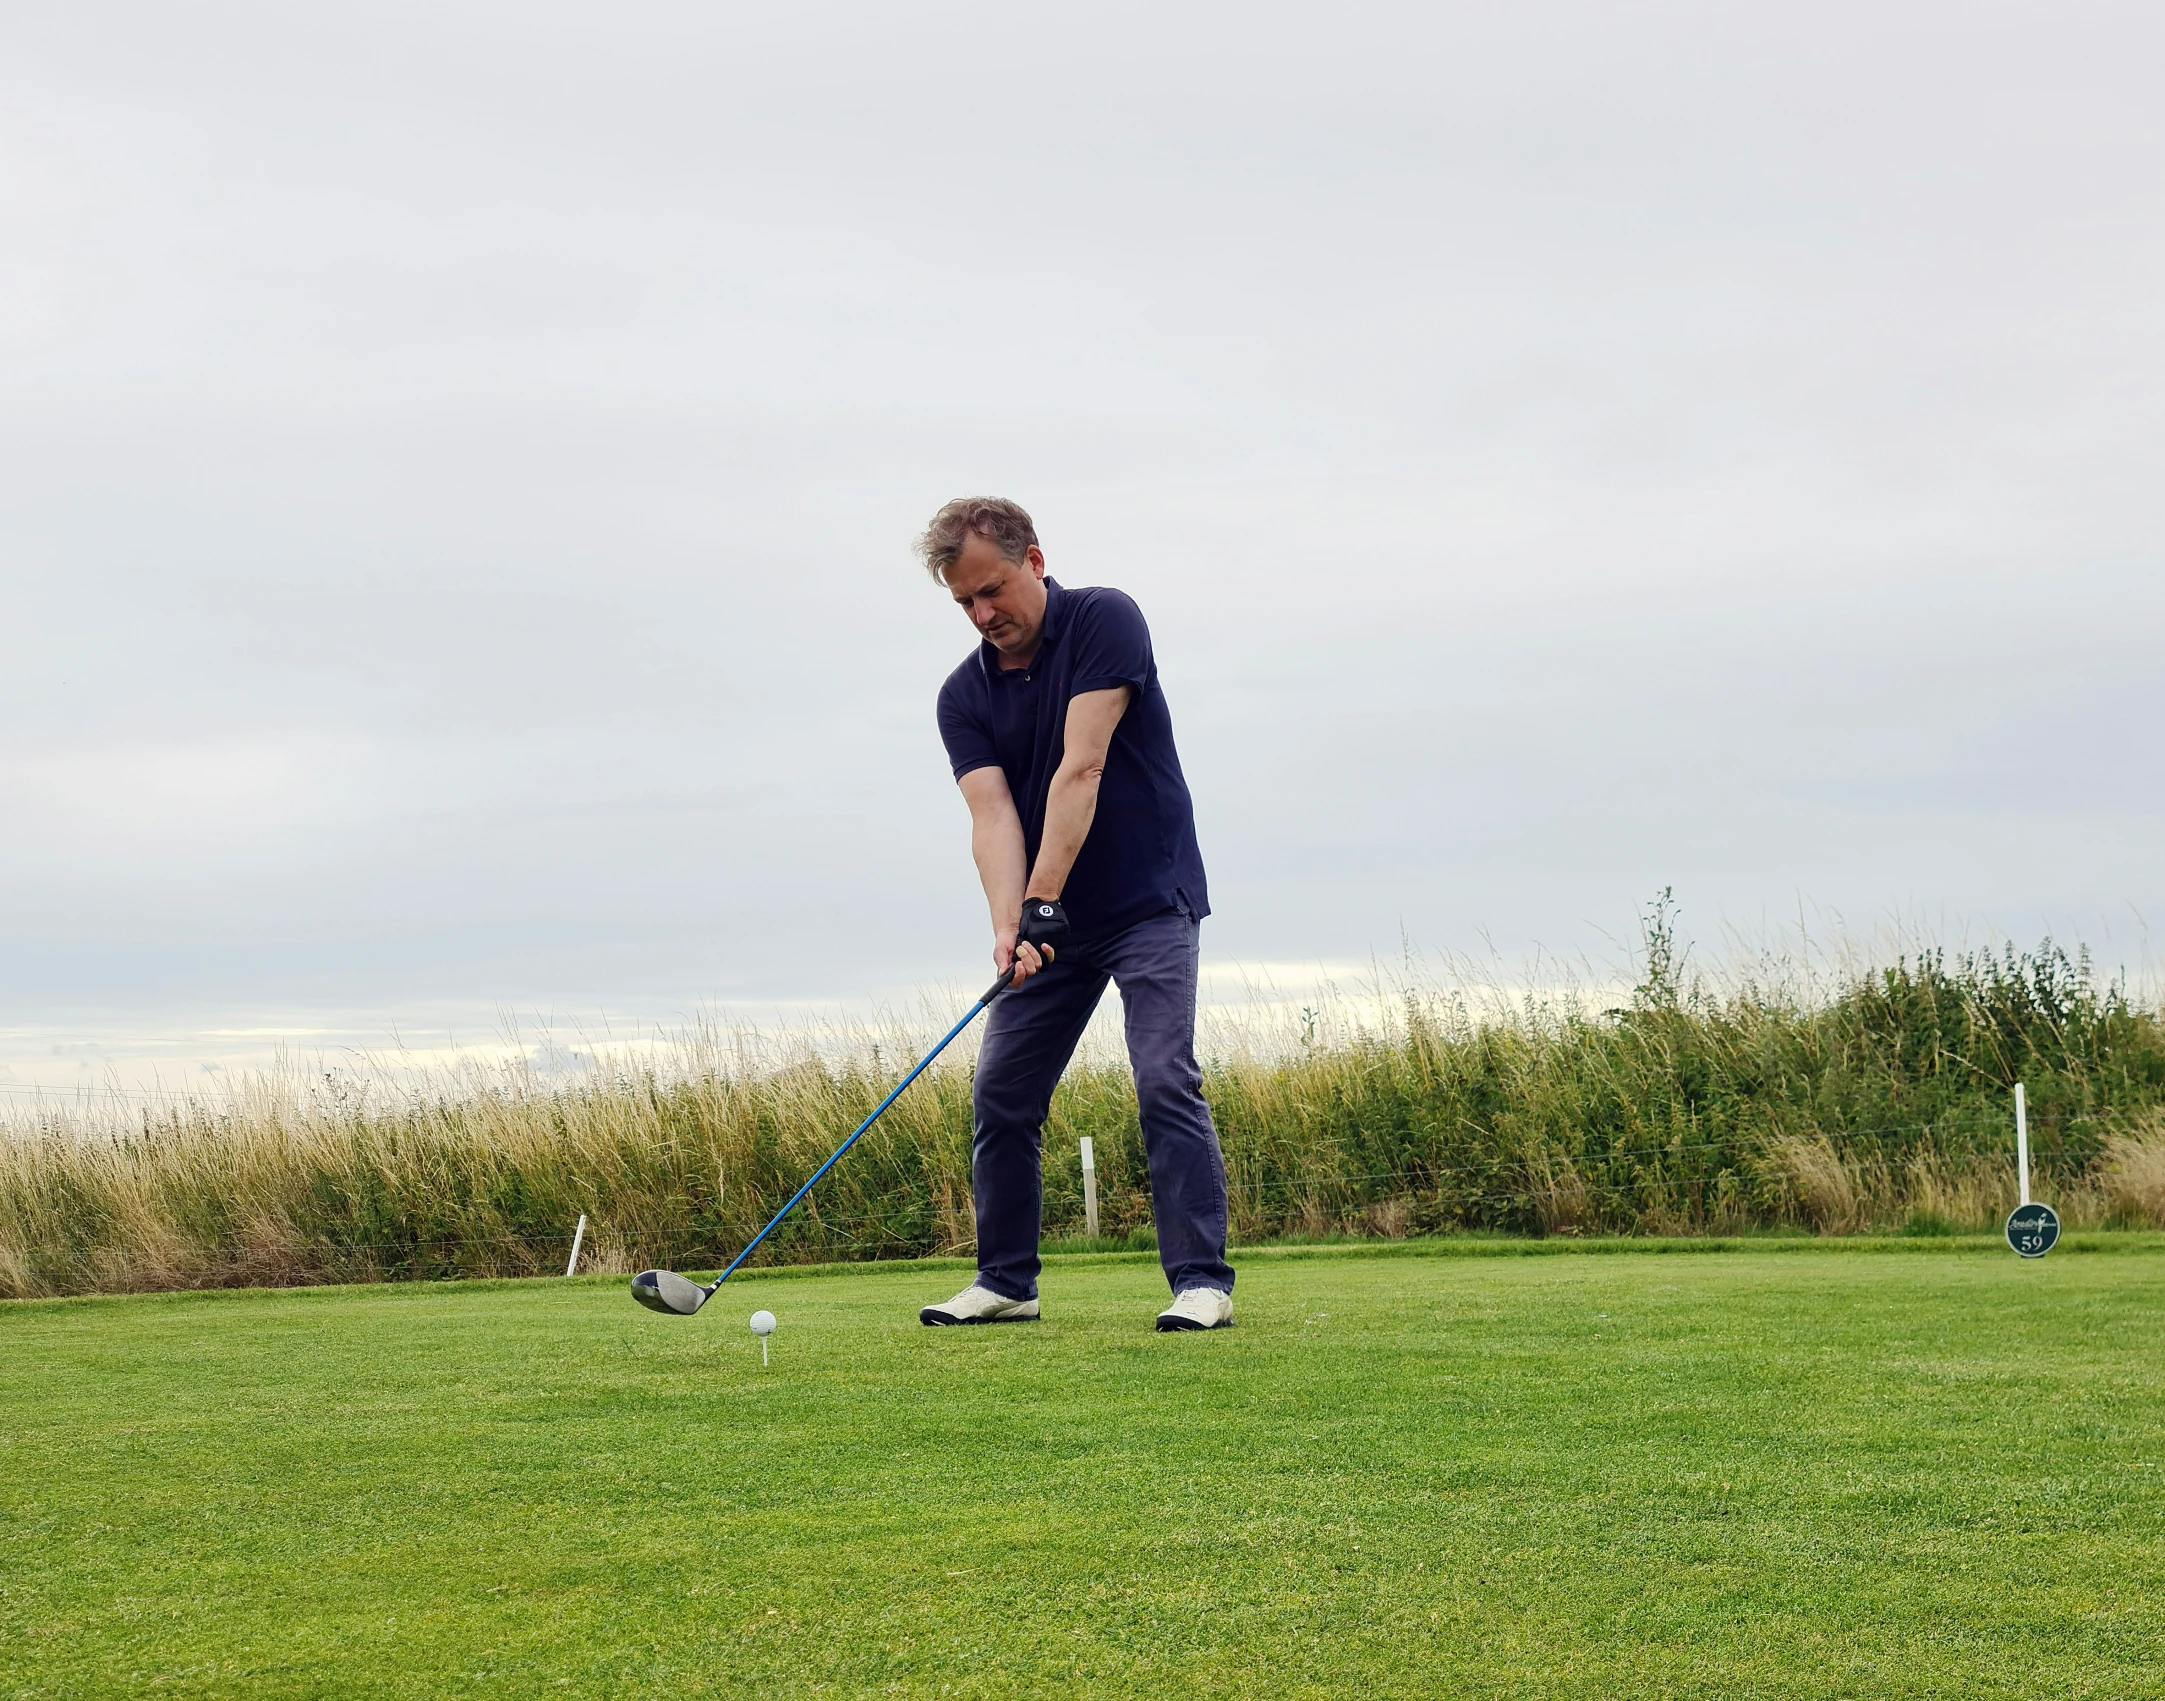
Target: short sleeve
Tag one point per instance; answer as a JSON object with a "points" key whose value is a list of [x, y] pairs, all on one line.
{"points": [[1112, 644], [964, 727]]}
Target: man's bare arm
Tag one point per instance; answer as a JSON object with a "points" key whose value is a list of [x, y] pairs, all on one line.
{"points": [[1072, 804], [996, 845]]}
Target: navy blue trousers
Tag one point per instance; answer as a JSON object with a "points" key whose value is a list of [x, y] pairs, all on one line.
{"points": [[1029, 1037]]}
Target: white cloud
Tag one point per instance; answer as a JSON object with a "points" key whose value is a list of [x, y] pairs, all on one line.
{"points": [[157, 796]]}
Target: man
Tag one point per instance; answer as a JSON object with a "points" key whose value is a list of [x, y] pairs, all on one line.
{"points": [[1084, 838]]}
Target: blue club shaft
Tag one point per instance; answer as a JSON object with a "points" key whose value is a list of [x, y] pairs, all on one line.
{"points": [[923, 1062]]}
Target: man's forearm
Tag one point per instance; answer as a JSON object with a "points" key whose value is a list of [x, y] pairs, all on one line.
{"points": [[996, 847], [1070, 806]]}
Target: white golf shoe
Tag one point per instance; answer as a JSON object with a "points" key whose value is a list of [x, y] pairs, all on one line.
{"points": [[1198, 1308], [980, 1305]]}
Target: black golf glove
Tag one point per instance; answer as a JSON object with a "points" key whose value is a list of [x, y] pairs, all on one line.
{"points": [[1044, 922]]}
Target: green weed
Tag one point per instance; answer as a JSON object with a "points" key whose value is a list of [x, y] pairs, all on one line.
{"points": [[1879, 1102]]}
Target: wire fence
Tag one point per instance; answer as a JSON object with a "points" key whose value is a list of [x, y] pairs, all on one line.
{"points": [[907, 1228], [322, 1176]]}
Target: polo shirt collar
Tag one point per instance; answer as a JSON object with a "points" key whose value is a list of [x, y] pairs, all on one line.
{"points": [[1056, 596]]}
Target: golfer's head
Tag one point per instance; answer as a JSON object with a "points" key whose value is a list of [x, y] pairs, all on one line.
{"points": [[984, 552]]}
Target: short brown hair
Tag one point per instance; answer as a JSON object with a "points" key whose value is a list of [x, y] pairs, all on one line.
{"points": [[1003, 523]]}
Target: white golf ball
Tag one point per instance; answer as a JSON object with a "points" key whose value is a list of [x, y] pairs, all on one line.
{"points": [[762, 1322]]}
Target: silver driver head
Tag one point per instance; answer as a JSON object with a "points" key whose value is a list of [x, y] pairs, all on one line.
{"points": [[666, 1291]]}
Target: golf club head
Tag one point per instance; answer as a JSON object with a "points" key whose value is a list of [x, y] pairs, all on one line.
{"points": [[666, 1291]]}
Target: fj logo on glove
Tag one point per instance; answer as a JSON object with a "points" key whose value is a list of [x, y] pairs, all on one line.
{"points": [[1043, 922]]}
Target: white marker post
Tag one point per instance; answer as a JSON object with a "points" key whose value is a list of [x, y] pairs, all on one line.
{"points": [[2032, 1230], [1090, 1188], [578, 1239], [2022, 1140]]}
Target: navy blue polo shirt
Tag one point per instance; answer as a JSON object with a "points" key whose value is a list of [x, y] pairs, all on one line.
{"points": [[1140, 858]]}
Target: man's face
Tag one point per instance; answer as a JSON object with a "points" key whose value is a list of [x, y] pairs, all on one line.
{"points": [[1004, 599]]}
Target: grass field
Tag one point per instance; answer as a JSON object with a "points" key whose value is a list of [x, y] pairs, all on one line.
{"points": [[1799, 1469]]}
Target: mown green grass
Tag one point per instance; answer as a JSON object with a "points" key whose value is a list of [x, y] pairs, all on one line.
{"points": [[1790, 1471]]}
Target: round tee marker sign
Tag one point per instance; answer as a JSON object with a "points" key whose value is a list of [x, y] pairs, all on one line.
{"points": [[2032, 1229]]}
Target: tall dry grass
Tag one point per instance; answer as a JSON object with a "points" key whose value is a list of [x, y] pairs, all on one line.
{"points": [[1878, 1102]]}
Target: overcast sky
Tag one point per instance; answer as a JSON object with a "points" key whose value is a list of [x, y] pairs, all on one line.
{"points": [[460, 463]]}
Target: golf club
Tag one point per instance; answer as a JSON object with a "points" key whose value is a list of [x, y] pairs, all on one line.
{"points": [[680, 1296]]}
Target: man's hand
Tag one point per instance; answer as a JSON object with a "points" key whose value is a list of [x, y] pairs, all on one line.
{"points": [[1034, 942], [1028, 959], [1044, 924]]}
